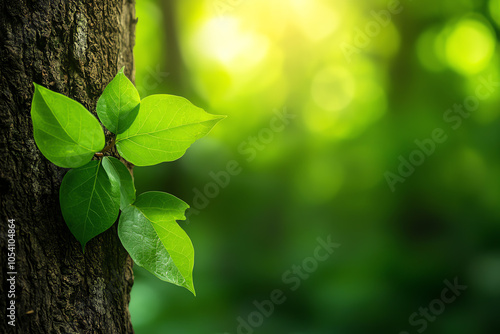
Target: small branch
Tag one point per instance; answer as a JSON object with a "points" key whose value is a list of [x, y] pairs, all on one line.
{"points": [[109, 146]]}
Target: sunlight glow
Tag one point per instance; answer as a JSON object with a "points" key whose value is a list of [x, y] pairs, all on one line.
{"points": [[315, 19], [223, 40]]}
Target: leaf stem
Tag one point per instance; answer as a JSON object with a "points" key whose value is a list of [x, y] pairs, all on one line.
{"points": [[107, 148]]}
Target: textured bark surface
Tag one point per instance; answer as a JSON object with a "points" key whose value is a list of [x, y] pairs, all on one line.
{"points": [[74, 47]]}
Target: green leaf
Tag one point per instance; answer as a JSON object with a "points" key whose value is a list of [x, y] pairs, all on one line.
{"points": [[119, 173], [163, 130], [119, 104], [149, 232], [65, 132], [90, 201]]}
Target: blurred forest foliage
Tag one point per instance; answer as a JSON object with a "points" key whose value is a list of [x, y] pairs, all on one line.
{"points": [[361, 81]]}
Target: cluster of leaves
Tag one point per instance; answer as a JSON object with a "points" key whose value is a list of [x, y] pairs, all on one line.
{"points": [[155, 129]]}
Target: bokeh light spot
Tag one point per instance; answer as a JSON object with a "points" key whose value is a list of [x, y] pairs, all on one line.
{"points": [[333, 88], [495, 11], [469, 46], [318, 180], [426, 50]]}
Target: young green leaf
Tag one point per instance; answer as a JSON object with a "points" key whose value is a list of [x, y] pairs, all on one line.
{"points": [[119, 104], [163, 130], [119, 173], [65, 132], [149, 232], [90, 201]]}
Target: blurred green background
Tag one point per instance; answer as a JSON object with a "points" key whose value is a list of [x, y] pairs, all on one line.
{"points": [[360, 88]]}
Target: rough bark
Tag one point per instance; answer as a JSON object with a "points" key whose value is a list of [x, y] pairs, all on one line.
{"points": [[74, 47]]}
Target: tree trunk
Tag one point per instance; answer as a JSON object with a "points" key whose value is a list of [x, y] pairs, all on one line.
{"points": [[74, 47]]}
